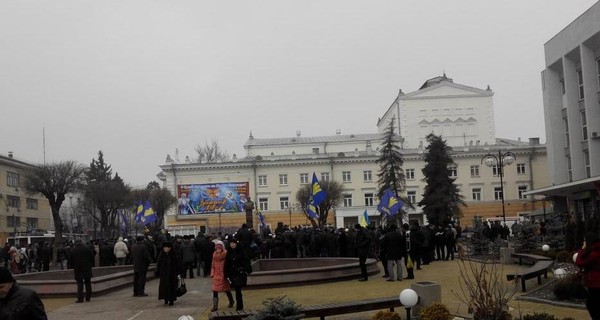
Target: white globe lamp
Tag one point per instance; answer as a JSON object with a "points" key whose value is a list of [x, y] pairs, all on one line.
{"points": [[546, 248], [409, 299], [560, 273], [186, 317]]}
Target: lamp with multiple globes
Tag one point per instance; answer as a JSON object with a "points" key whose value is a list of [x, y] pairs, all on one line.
{"points": [[500, 160]]}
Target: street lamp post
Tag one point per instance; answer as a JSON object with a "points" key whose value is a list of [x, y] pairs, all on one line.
{"points": [[500, 160]]}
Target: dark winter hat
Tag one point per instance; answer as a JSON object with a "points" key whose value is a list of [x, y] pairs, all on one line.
{"points": [[6, 276], [357, 226], [167, 244]]}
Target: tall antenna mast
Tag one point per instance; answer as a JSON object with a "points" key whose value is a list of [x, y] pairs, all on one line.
{"points": [[44, 143]]}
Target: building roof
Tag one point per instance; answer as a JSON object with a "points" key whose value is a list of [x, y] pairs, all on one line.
{"points": [[435, 80], [312, 140]]}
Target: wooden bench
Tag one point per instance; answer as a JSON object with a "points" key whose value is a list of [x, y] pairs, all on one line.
{"points": [[533, 258], [537, 270], [323, 310]]}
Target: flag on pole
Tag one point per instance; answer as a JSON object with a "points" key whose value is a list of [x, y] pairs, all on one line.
{"points": [[317, 194], [311, 209], [149, 215], [139, 212], [261, 218], [123, 222], [364, 219], [389, 203]]}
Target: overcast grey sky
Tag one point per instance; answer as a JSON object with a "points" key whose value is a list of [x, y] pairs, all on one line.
{"points": [[138, 79]]}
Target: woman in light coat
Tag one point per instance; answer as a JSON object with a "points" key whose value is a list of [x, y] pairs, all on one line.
{"points": [[218, 281], [121, 251]]}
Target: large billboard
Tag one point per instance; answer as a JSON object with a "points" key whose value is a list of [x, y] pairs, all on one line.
{"points": [[211, 197]]}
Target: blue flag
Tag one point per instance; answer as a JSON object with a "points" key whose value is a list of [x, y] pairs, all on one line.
{"points": [[389, 203], [317, 194], [261, 218], [149, 215], [123, 222], [139, 212], [311, 209]]}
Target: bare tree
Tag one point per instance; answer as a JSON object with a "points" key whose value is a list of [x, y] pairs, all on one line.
{"points": [[210, 152], [54, 181], [334, 195]]}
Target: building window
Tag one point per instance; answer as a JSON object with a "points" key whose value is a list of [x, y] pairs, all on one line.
{"points": [[368, 175], [475, 171], [409, 174], [586, 163], [347, 200], [346, 177], [476, 194], [262, 181], [284, 202], [13, 202], [521, 168], [562, 86], [470, 111], [315, 150], [304, 178], [32, 223], [411, 196], [324, 176], [263, 204], [283, 180], [13, 221], [498, 193], [453, 171], [369, 199], [32, 204], [584, 131], [521, 190], [496, 170], [12, 179], [580, 84]]}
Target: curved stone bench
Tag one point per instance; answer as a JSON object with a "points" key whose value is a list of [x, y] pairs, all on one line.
{"points": [[62, 283], [293, 271]]}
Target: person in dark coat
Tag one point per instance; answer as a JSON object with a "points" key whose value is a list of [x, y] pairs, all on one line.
{"points": [[168, 269], [45, 256], [198, 245], [237, 268], [17, 303], [588, 258], [82, 260], [363, 244], [394, 243], [140, 256], [187, 257]]}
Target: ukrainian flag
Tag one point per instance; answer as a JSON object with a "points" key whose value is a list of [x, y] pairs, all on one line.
{"points": [[149, 214], [311, 209], [364, 220], [139, 212]]}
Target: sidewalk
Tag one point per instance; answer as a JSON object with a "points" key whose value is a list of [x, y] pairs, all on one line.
{"points": [[120, 305]]}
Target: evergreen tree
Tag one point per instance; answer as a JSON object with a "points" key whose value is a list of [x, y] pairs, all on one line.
{"points": [[525, 239], [391, 174], [441, 199], [106, 194]]}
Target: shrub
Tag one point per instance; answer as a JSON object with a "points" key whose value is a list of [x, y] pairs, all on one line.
{"points": [[539, 316], [569, 288], [436, 311], [386, 315], [278, 308]]}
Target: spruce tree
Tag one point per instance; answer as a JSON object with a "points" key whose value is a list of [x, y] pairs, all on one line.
{"points": [[391, 174], [441, 199]]}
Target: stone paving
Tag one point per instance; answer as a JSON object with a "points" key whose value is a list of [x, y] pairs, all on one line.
{"points": [[197, 302]]}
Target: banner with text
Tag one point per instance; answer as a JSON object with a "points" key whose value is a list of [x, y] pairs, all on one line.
{"points": [[212, 197]]}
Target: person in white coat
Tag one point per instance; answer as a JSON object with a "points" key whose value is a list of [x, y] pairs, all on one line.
{"points": [[121, 251]]}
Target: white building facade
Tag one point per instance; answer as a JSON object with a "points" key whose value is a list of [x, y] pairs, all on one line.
{"points": [[462, 115]]}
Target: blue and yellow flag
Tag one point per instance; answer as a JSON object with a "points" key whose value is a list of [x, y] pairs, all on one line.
{"points": [[389, 203], [364, 220], [149, 215], [317, 194], [311, 209], [139, 212], [261, 218]]}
